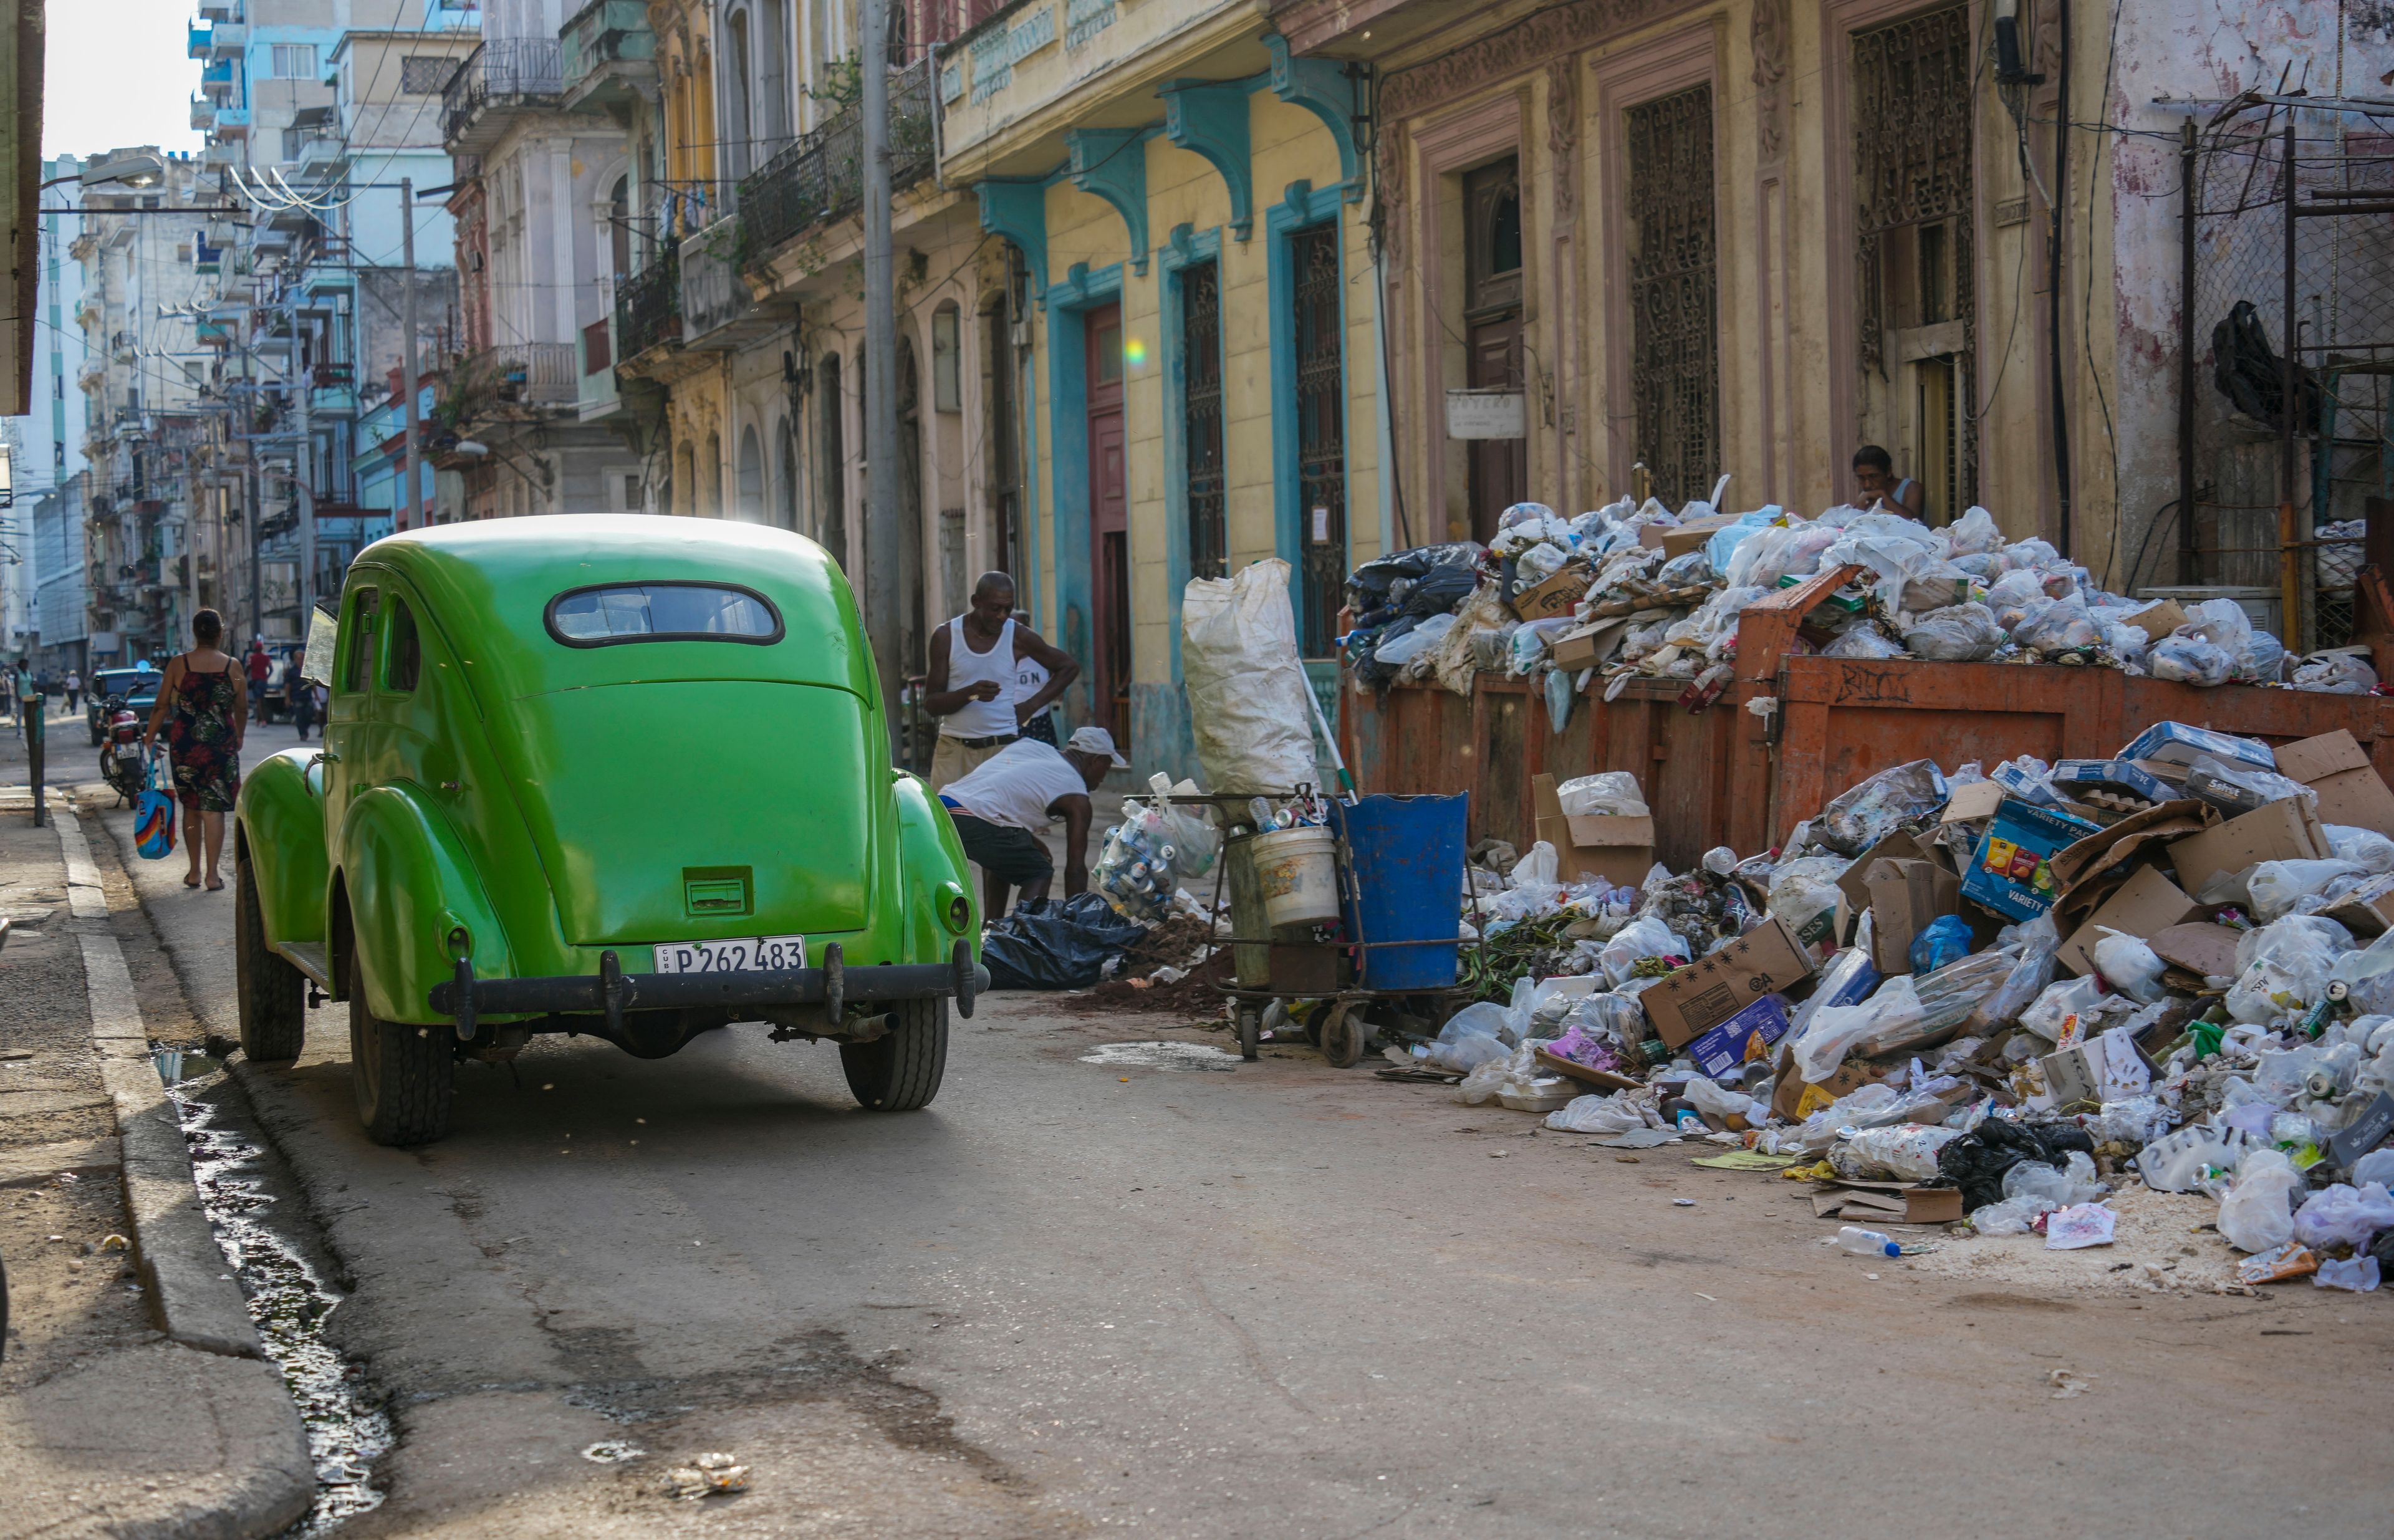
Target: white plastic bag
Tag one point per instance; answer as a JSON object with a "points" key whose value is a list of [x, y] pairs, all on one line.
{"points": [[2190, 660], [1610, 794], [2259, 1211], [1641, 937], [2342, 1216], [2079, 1225], [2279, 887], [1597, 1114], [1975, 533], [2336, 674], [2129, 965], [1247, 688], [2364, 847], [1960, 633], [1905, 1153], [1835, 1029]]}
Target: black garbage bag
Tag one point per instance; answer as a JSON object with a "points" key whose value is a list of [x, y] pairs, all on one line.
{"points": [[2249, 371], [1975, 1162], [1434, 580], [1056, 945]]}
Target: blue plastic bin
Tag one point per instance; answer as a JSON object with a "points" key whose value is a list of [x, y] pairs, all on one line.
{"points": [[1405, 884]]}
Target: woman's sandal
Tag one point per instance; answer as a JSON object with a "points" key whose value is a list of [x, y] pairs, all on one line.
{"points": [[191, 880], [215, 885]]}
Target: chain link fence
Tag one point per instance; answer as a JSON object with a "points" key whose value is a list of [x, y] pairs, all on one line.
{"points": [[2290, 212]]}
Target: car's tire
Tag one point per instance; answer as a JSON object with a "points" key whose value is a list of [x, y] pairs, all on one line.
{"points": [[272, 993], [899, 1071], [403, 1075]]}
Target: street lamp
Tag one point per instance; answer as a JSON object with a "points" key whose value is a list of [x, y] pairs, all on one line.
{"points": [[132, 168]]}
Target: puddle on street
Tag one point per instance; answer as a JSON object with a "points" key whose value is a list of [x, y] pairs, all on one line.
{"points": [[288, 1299], [1163, 1056]]}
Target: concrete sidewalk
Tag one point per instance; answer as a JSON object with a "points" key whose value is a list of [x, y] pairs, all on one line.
{"points": [[134, 1398]]}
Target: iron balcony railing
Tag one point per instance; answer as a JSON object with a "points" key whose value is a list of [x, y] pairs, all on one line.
{"points": [[502, 70], [821, 176], [539, 373], [648, 305]]}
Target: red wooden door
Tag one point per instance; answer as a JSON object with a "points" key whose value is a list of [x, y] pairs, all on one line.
{"points": [[1108, 526]]}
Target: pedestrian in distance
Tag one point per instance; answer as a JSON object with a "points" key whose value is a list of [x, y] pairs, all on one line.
{"points": [[970, 684], [1003, 806], [74, 690], [28, 697], [1881, 489], [303, 702], [260, 665], [202, 707]]}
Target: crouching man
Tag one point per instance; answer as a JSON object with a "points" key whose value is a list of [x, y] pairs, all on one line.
{"points": [[1002, 807]]}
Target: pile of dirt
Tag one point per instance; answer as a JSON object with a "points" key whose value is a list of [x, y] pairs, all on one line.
{"points": [[1196, 997]]}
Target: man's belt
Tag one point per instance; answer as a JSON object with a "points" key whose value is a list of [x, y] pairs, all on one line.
{"points": [[987, 743]]}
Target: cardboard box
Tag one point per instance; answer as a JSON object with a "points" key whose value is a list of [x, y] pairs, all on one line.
{"points": [[2075, 1073], [1968, 804], [1887, 1203], [2156, 620], [1897, 845], [2076, 775], [2092, 857], [1683, 1004], [1601, 1079], [1749, 1037], [2011, 873], [1673, 540], [1559, 595], [2367, 910], [1905, 897], [2147, 902], [2339, 769], [1794, 1101], [1590, 646], [1621, 851], [2277, 831], [2199, 947], [2176, 744]]}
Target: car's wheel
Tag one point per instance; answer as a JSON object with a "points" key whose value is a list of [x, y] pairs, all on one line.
{"points": [[403, 1075], [272, 993], [899, 1071]]}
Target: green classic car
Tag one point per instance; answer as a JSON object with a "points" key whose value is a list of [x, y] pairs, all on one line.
{"points": [[613, 774]]}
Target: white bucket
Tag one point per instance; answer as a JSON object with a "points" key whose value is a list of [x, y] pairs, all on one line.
{"points": [[1298, 872]]}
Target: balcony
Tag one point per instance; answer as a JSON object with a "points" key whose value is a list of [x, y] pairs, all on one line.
{"points": [[820, 176], [717, 311], [204, 114], [199, 43], [596, 396], [534, 373], [608, 54], [502, 76], [322, 154], [230, 40], [648, 306], [232, 122], [219, 80]]}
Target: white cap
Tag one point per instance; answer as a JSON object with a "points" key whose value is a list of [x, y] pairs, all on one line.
{"points": [[1095, 740]]}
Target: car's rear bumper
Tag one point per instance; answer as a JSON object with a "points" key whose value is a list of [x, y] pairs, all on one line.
{"points": [[612, 992]]}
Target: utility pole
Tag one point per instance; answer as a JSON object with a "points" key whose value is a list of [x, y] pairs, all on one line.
{"points": [[883, 560], [304, 464], [407, 359]]}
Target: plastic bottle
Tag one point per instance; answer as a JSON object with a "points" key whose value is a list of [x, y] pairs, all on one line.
{"points": [[1866, 1243]]}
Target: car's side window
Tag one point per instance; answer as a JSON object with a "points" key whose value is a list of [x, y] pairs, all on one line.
{"points": [[363, 610], [404, 661]]}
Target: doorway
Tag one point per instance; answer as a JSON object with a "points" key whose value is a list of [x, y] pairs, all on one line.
{"points": [[1499, 469], [1109, 524]]}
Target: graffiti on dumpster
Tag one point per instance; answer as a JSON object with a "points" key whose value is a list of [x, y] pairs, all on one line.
{"points": [[1861, 684]]}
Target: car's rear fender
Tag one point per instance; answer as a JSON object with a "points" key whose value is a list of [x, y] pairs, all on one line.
{"points": [[933, 859], [279, 828], [413, 903]]}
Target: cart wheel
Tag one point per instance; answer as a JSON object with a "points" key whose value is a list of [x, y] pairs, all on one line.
{"points": [[1251, 1031], [1342, 1036]]}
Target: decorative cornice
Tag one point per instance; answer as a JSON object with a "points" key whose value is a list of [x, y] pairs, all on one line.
{"points": [[1017, 210], [1526, 44], [1322, 87]]}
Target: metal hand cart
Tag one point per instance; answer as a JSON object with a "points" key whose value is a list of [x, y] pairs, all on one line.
{"points": [[1287, 964]]}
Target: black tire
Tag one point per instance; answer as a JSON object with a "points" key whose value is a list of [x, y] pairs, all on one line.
{"points": [[1251, 1031], [899, 1071], [272, 993], [403, 1075]]}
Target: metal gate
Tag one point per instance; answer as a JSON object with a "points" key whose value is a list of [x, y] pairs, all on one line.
{"points": [[2285, 238], [1674, 367], [1201, 411], [1321, 435]]}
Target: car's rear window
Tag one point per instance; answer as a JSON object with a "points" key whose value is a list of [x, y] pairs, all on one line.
{"points": [[661, 612], [128, 681]]}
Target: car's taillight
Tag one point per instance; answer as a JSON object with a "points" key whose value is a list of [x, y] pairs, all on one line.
{"points": [[959, 912]]}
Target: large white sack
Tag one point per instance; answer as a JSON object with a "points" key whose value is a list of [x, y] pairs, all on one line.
{"points": [[1247, 706]]}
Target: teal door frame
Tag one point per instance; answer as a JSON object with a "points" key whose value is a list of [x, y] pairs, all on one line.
{"points": [[1301, 207], [1067, 304]]}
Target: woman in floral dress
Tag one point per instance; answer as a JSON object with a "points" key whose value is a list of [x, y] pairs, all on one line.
{"points": [[204, 706]]}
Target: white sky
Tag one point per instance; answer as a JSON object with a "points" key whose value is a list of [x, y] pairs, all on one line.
{"points": [[118, 76]]}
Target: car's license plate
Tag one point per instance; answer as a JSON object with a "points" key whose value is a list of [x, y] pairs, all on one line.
{"points": [[769, 954]]}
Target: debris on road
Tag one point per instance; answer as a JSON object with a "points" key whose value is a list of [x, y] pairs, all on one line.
{"points": [[708, 1476]]}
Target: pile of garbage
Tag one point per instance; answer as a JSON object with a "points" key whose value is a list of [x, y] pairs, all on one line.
{"points": [[1986, 998], [1632, 590]]}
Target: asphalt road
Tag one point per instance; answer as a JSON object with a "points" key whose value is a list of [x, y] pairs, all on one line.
{"points": [[1275, 1300]]}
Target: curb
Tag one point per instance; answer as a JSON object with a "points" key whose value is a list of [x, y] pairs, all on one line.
{"points": [[197, 1301]]}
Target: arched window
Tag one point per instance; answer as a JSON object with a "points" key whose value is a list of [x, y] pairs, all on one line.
{"points": [[751, 508], [619, 227]]}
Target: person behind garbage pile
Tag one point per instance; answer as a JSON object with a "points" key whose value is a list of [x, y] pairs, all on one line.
{"points": [[1003, 805], [972, 687], [1881, 489]]}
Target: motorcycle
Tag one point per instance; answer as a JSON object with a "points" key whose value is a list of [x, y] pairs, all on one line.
{"points": [[120, 752]]}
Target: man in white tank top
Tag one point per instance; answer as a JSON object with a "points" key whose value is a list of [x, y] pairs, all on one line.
{"points": [[971, 684], [1002, 807]]}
